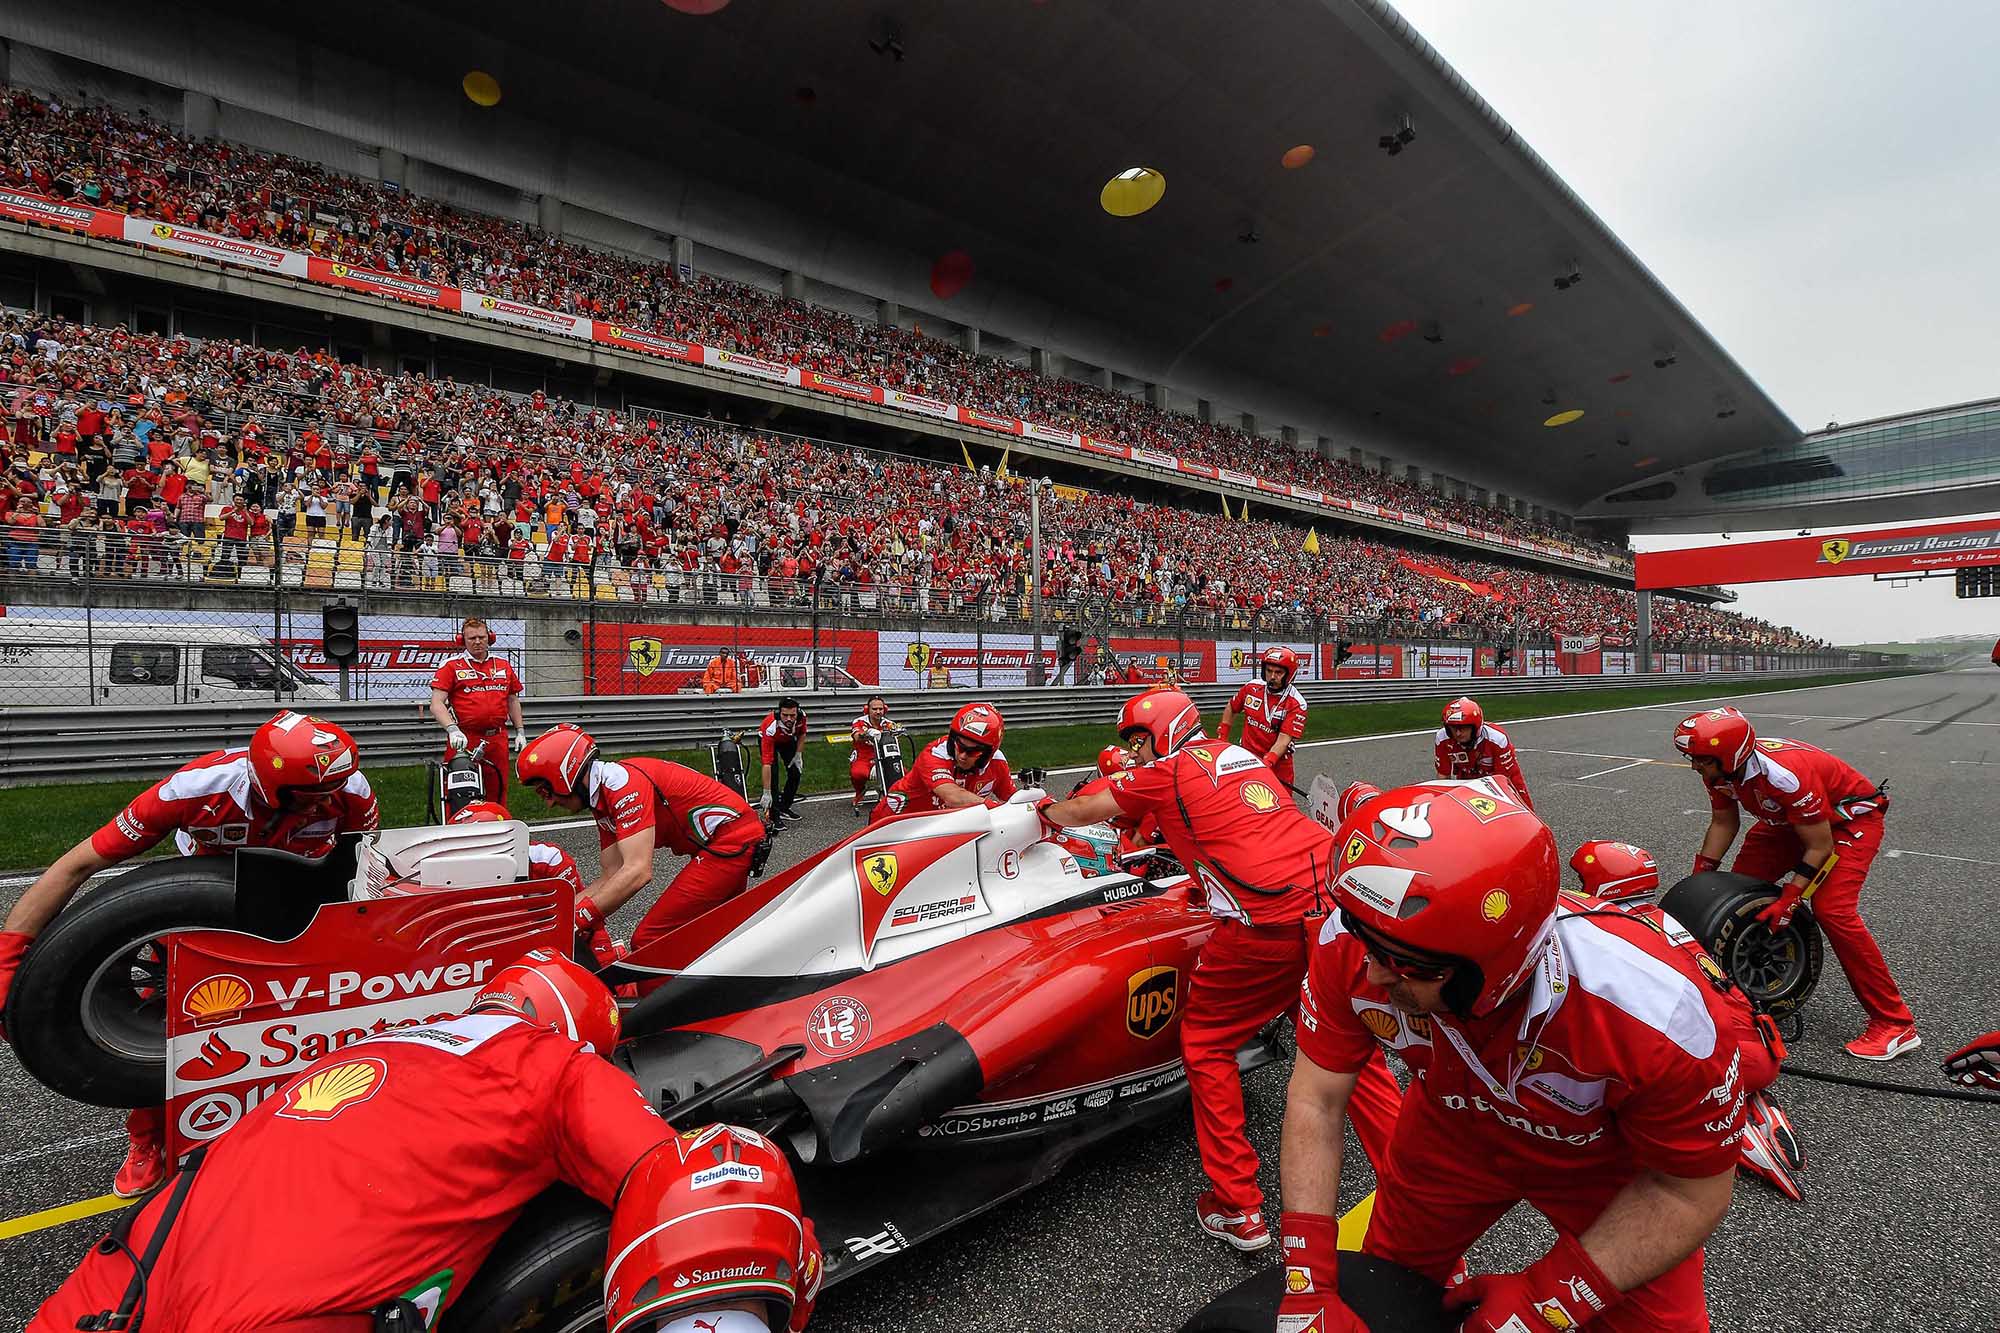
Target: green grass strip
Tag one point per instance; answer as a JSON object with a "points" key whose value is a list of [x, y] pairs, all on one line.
{"points": [[38, 824]]}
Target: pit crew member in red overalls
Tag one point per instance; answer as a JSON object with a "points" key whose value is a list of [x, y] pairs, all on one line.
{"points": [[548, 861], [965, 766], [781, 743], [640, 804], [867, 730], [474, 696], [1818, 820], [1133, 834], [1580, 1062], [297, 787], [709, 1237], [1468, 748], [386, 1171], [1260, 863], [1273, 713]]}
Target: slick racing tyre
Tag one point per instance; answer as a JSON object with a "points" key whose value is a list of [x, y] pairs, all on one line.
{"points": [[547, 1272], [1385, 1296], [1777, 970], [87, 1015]]}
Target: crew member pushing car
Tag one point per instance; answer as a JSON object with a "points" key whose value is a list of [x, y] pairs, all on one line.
{"points": [[1818, 823], [548, 861], [1580, 1061], [1273, 713], [474, 696], [296, 787], [1469, 748], [963, 767], [1261, 865], [640, 804]]}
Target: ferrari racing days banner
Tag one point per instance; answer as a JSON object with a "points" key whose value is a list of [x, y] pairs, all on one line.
{"points": [[39, 210], [1898, 550]]}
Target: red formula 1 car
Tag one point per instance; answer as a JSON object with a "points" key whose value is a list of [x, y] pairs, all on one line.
{"points": [[933, 1014]]}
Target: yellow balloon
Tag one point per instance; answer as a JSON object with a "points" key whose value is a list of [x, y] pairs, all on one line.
{"points": [[482, 88], [1132, 191], [1564, 418]]}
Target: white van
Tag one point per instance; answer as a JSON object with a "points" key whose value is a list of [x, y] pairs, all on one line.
{"points": [[128, 664]]}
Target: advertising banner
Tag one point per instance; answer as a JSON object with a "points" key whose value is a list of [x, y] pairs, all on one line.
{"points": [[503, 311], [1235, 478], [652, 344], [1910, 547], [1036, 431], [670, 659], [1371, 661], [954, 659], [1005, 425], [1197, 469], [1097, 446], [1236, 659], [742, 363], [916, 402], [372, 282], [1438, 661], [1154, 457], [1148, 661], [34, 209], [209, 245]]}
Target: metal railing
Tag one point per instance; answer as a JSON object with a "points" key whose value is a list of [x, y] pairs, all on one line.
{"points": [[43, 745]]}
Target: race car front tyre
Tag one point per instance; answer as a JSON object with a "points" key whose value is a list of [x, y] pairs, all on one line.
{"points": [[546, 1273], [1778, 970], [87, 1015]]}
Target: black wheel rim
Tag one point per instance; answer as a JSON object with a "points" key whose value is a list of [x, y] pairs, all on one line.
{"points": [[1769, 965], [124, 1002]]}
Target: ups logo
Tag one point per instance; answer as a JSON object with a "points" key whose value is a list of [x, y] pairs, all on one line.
{"points": [[1150, 995]]}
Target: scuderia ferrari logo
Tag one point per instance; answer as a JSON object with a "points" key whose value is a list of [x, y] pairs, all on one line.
{"points": [[882, 872], [1149, 1000], [1835, 551]]}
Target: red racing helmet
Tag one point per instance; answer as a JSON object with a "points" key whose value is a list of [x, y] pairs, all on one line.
{"points": [[557, 759], [705, 1219], [1353, 796], [296, 759], [1278, 655], [978, 725], [1168, 717], [1113, 759], [1720, 733], [554, 991], [1613, 870], [482, 812], [1464, 711], [1456, 872]]}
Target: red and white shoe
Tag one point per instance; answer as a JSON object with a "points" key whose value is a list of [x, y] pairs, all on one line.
{"points": [[1245, 1231], [1765, 1160], [144, 1167], [1884, 1041]]}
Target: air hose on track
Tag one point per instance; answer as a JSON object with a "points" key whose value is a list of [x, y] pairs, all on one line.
{"points": [[1879, 1085]]}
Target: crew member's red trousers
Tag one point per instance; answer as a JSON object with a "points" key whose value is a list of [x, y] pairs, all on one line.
{"points": [[859, 770], [1444, 1184], [1247, 976], [1769, 853], [710, 877]]}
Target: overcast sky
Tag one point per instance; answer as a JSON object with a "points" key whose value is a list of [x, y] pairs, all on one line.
{"points": [[1817, 180]]}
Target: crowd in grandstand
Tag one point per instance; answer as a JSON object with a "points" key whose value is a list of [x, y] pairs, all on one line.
{"points": [[137, 455], [118, 160]]}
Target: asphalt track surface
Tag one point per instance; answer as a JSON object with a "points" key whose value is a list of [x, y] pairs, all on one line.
{"points": [[1902, 1193]]}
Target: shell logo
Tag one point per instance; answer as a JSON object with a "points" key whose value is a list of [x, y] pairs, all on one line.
{"points": [[325, 1094], [1296, 1281], [1380, 1022], [1554, 1315], [1495, 904], [1259, 797], [216, 999]]}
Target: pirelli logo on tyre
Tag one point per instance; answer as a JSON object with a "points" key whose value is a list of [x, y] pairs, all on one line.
{"points": [[1150, 997]]}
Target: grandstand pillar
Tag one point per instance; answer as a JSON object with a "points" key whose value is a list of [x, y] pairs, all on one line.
{"points": [[549, 214], [1038, 360], [1204, 410], [684, 258], [1156, 395], [6, 62], [795, 285], [200, 115], [1385, 465], [1101, 377], [1357, 456], [1323, 446], [391, 166], [1289, 437], [972, 340], [1248, 422], [1642, 644], [888, 314]]}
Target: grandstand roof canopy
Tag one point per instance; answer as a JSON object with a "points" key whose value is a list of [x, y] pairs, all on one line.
{"points": [[997, 125]]}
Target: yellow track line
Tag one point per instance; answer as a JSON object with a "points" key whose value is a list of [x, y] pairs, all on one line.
{"points": [[1354, 1222], [55, 1217]]}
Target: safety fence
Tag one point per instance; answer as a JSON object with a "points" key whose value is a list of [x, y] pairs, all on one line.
{"points": [[46, 745], [112, 644]]}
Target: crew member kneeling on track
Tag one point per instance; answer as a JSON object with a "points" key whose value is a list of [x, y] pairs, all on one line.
{"points": [[1579, 1061], [1260, 863], [297, 787], [1819, 825], [640, 804]]}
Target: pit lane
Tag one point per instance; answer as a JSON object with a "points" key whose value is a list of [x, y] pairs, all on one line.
{"points": [[1902, 1193]]}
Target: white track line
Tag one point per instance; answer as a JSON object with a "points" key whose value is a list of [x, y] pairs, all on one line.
{"points": [[1607, 772], [49, 1149], [1895, 852]]}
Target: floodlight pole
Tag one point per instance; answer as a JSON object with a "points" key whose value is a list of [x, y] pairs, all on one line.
{"points": [[1035, 575]]}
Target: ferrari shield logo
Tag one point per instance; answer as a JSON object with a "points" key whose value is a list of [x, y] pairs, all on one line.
{"points": [[1356, 845], [918, 656], [644, 654], [882, 872], [1483, 805], [1835, 551]]}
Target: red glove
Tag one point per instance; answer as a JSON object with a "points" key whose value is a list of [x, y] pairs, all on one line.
{"points": [[1704, 864], [590, 933], [1311, 1296], [13, 948], [1975, 1064], [1562, 1289], [811, 1269], [1777, 914], [1049, 827]]}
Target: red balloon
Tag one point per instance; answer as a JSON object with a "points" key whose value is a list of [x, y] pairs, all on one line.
{"points": [[1224, 284], [697, 6], [950, 273]]}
